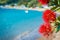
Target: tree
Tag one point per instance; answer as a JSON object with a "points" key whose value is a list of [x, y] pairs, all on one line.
{"points": [[3, 1]]}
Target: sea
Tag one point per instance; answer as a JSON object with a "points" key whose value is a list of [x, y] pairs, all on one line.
{"points": [[16, 24]]}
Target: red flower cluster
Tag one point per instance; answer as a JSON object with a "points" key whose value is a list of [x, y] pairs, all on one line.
{"points": [[44, 2], [45, 30], [49, 15]]}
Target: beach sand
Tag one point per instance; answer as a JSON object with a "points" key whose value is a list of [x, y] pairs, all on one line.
{"points": [[55, 37]]}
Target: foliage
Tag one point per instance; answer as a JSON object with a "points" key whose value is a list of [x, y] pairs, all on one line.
{"points": [[27, 3]]}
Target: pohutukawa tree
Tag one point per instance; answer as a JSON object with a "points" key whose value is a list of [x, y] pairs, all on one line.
{"points": [[49, 17]]}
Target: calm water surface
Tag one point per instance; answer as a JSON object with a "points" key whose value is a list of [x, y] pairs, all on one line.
{"points": [[14, 22]]}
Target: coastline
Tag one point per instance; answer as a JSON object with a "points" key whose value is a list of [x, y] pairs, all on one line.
{"points": [[24, 8]]}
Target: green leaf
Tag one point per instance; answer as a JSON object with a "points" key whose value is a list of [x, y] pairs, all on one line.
{"points": [[58, 2]]}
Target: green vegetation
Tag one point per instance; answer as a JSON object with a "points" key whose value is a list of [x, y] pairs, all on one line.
{"points": [[30, 3], [27, 3], [54, 2], [2, 2]]}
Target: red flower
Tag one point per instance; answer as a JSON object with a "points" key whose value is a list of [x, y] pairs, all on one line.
{"points": [[44, 2], [45, 29], [49, 15]]}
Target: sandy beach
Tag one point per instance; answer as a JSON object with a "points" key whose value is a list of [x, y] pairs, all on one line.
{"points": [[24, 8]]}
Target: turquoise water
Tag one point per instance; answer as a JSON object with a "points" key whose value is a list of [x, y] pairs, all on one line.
{"points": [[14, 22]]}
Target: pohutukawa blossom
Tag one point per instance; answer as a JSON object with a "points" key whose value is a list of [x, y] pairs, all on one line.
{"points": [[44, 2], [45, 30], [49, 15]]}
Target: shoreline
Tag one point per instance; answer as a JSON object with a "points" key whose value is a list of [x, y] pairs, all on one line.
{"points": [[24, 8]]}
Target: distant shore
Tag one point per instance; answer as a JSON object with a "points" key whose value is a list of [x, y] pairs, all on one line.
{"points": [[24, 8]]}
